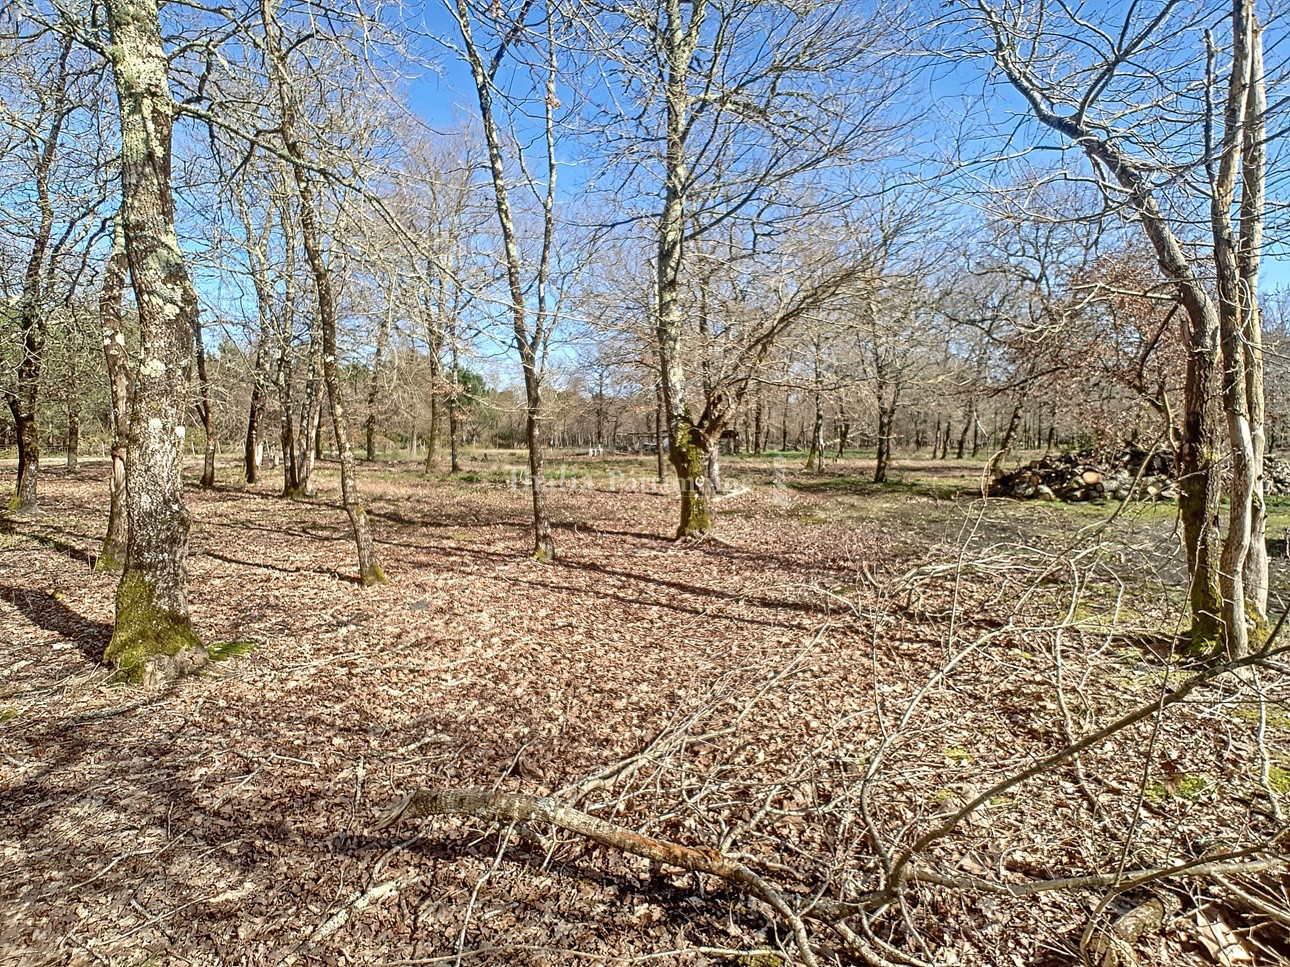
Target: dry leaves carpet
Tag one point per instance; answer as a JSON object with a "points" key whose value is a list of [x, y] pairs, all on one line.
{"points": [[838, 672]]}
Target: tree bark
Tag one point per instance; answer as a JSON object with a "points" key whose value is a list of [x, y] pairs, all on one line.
{"points": [[153, 634], [1005, 445], [1254, 178], [255, 413], [968, 420], [112, 556], [1236, 264], [658, 431], [888, 401]]}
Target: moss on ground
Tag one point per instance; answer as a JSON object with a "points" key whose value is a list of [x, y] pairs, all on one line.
{"points": [[224, 650]]}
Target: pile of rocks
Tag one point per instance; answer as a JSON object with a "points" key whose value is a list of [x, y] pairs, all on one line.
{"points": [[1093, 476]]}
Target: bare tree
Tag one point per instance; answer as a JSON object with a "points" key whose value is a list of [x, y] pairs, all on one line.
{"points": [[1074, 76], [531, 329], [43, 134], [311, 235], [729, 106]]}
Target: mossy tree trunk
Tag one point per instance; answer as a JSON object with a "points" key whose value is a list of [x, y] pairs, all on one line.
{"points": [[688, 454], [1198, 467], [311, 236], [152, 621], [112, 556]]}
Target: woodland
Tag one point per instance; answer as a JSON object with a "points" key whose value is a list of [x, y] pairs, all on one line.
{"points": [[750, 482]]}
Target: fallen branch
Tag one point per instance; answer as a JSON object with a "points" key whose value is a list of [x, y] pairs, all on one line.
{"points": [[518, 807]]}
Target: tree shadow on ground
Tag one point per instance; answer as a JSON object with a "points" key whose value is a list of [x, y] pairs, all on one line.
{"points": [[51, 541], [45, 611]]}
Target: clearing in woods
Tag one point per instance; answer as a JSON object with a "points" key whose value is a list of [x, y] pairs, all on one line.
{"points": [[841, 669]]}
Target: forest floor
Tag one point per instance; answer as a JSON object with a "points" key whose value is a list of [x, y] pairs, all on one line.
{"points": [[840, 669]]}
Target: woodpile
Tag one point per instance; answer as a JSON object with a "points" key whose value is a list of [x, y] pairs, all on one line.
{"points": [[1129, 473], [1276, 474]]}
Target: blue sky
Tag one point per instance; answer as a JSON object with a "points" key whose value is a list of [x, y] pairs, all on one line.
{"points": [[957, 92]]}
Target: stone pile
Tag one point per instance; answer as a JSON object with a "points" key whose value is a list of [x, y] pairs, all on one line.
{"points": [[1093, 476]]}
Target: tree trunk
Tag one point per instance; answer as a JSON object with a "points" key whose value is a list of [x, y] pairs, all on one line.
{"points": [[1005, 445], [283, 375], [454, 439], [432, 435], [73, 399], [112, 555], [888, 394], [374, 390], [714, 470], [968, 421], [543, 544], [688, 454], [204, 410], [757, 424], [658, 432], [1254, 177], [815, 458], [153, 634], [369, 570], [255, 413], [1237, 308]]}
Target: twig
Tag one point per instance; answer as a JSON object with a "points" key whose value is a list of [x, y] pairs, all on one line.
{"points": [[354, 906]]}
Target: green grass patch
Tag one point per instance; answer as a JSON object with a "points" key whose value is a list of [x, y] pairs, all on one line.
{"points": [[1249, 712]]}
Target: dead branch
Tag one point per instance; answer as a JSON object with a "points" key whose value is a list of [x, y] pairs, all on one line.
{"points": [[519, 807]]}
